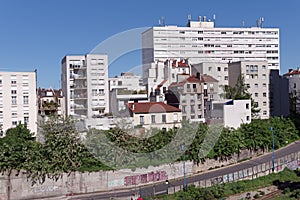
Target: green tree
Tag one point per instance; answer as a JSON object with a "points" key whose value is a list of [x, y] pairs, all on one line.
{"points": [[240, 92]]}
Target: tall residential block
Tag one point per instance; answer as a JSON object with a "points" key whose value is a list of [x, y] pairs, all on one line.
{"points": [[85, 85], [256, 76], [200, 41], [18, 100]]}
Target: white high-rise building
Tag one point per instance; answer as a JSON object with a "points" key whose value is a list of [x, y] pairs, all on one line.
{"points": [[200, 41], [85, 85], [18, 100]]}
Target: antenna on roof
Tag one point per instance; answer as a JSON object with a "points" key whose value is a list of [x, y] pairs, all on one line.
{"points": [[259, 22], [189, 20], [214, 17], [243, 23], [163, 21]]}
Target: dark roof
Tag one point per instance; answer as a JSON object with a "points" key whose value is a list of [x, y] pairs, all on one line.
{"points": [[151, 107], [207, 78]]}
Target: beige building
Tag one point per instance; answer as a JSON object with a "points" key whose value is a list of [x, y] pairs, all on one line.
{"points": [[155, 115], [192, 95], [18, 100], [256, 75], [219, 71]]}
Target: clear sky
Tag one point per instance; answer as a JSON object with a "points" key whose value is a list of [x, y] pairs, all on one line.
{"points": [[37, 34]]}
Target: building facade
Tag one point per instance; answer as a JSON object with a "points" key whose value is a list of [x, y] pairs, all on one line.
{"points": [[128, 81], [200, 41], [192, 96], [218, 71], [85, 85], [155, 115], [50, 102], [256, 76], [293, 77], [279, 95], [18, 100], [231, 113]]}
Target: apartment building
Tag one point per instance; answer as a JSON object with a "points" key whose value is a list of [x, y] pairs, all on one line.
{"points": [[161, 74], [50, 102], [218, 71], [192, 96], [128, 81], [293, 77], [256, 77], [200, 41], [18, 100], [155, 115], [85, 86]]}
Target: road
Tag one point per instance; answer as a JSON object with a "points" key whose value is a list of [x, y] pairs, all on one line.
{"points": [[161, 188]]}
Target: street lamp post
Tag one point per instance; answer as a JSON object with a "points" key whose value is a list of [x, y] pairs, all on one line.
{"points": [[184, 172], [273, 161]]}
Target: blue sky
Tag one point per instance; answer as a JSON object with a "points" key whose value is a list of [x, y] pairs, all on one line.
{"points": [[37, 34]]}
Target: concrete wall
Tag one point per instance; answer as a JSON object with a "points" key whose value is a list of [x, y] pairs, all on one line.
{"points": [[18, 187]]}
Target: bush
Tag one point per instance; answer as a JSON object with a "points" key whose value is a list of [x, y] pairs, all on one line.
{"points": [[256, 196]]}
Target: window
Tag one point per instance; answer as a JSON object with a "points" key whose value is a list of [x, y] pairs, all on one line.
{"points": [[14, 100], [295, 85], [219, 69], [264, 112], [175, 116], [101, 91], [26, 120], [119, 83], [153, 119], [256, 85], [225, 78], [264, 85], [256, 94], [142, 120], [0, 81], [248, 118], [94, 92], [163, 118], [25, 99], [225, 69], [183, 109], [192, 109], [264, 103], [14, 92], [14, 123], [263, 67], [247, 105], [264, 76], [13, 82], [199, 106], [264, 94], [14, 114]]}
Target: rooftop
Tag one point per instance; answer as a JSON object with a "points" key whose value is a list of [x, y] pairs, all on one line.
{"points": [[151, 107]]}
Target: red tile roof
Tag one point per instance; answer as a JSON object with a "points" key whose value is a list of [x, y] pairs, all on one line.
{"points": [[151, 107], [191, 79], [161, 84], [293, 72], [207, 78]]}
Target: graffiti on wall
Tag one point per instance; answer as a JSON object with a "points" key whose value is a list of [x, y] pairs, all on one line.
{"points": [[145, 178], [3, 196], [47, 188], [292, 165]]}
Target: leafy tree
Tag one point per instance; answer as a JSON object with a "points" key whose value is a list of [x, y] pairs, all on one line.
{"points": [[240, 92], [15, 148]]}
